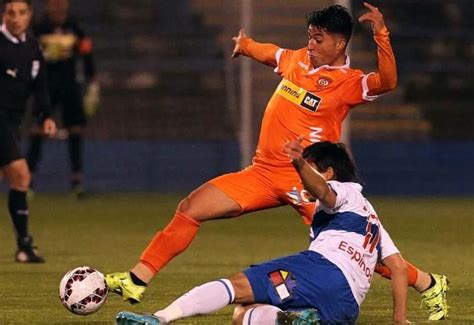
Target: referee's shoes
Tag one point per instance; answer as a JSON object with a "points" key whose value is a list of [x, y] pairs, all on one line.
{"points": [[27, 253]]}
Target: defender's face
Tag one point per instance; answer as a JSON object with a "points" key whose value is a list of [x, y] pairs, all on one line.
{"points": [[57, 10], [323, 47], [17, 17]]}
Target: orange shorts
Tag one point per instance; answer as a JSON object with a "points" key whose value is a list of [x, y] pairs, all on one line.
{"points": [[260, 187]]}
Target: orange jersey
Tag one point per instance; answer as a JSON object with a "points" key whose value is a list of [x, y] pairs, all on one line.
{"points": [[311, 102]]}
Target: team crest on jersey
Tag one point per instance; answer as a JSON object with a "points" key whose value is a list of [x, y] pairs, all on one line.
{"points": [[283, 282], [323, 82]]}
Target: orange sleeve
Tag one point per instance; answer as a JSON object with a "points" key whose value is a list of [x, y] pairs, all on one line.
{"points": [[85, 46], [262, 52], [385, 78]]}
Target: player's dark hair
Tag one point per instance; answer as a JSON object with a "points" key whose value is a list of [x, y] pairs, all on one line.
{"points": [[5, 2], [328, 154], [334, 19]]}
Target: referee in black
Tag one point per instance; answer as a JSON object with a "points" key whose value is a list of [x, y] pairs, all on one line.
{"points": [[22, 73]]}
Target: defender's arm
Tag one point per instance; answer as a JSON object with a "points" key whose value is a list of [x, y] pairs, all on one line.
{"points": [[398, 267], [312, 180]]}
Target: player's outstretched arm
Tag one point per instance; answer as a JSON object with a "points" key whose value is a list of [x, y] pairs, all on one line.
{"points": [[399, 279], [314, 182], [262, 52], [385, 78]]}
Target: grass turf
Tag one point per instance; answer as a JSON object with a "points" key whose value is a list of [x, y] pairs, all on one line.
{"points": [[109, 232]]}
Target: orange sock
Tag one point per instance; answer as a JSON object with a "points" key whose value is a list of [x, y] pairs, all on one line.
{"points": [[173, 240], [387, 274]]}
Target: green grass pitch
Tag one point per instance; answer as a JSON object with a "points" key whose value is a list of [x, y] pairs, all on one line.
{"points": [[109, 232]]}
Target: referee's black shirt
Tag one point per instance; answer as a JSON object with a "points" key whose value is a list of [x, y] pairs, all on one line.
{"points": [[22, 73]]}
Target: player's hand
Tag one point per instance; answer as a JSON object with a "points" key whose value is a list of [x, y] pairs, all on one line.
{"points": [[294, 150], [49, 127], [236, 52], [374, 16]]}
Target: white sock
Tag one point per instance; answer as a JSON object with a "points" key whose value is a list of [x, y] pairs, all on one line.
{"points": [[205, 299], [261, 315]]}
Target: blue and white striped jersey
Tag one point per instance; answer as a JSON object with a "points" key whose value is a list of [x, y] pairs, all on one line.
{"points": [[351, 236]]}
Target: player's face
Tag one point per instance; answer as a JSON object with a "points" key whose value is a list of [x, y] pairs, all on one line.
{"points": [[57, 10], [323, 47], [17, 17]]}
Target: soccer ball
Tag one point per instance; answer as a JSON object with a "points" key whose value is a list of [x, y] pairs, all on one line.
{"points": [[83, 290]]}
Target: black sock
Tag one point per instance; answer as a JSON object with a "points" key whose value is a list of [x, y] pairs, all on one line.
{"points": [[433, 282], [75, 143], [136, 280], [34, 152], [18, 208]]}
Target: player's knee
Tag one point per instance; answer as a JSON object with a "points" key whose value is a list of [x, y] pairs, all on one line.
{"points": [[185, 207], [238, 315]]}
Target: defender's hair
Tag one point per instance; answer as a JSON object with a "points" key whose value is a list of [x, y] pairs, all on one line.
{"points": [[334, 19], [5, 2], [327, 154]]}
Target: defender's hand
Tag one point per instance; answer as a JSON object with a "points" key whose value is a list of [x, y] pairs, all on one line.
{"points": [[374, 16], [49, 127], [294, 150], [236, 52]]}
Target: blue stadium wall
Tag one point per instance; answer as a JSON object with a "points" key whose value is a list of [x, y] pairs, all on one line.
{"points": [[179, 166]]}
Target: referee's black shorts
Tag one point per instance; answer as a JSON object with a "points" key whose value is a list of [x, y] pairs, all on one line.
{"points": [[10, 149]]}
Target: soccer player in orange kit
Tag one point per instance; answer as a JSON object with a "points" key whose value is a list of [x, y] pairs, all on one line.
{"points": [[317, 91]]}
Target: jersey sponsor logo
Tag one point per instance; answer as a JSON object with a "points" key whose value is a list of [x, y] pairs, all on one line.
{"points": [[12, 72], [356, 257], [283, 282], [311, 102], [298, 95]]}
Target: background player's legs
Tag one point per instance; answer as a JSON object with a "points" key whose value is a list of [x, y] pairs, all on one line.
{"points": [[18, 178], [37, 137], [75, 121], [76, 148]]}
